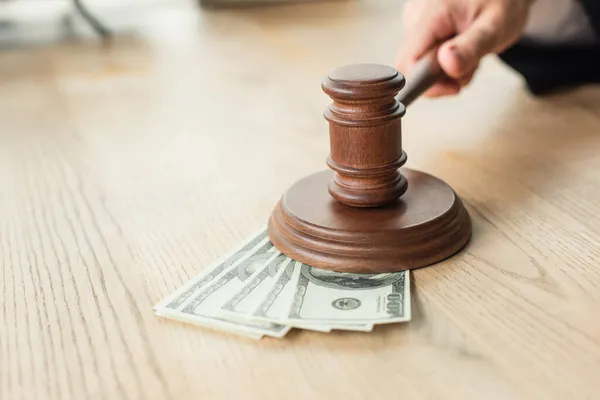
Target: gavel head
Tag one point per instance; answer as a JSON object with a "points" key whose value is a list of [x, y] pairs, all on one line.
{"points": [[365, 134]]}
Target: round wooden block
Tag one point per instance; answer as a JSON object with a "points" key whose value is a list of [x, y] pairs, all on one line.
{"points": [[426, 225]]}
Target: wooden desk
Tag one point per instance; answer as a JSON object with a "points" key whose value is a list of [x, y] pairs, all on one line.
{"points": [[127, 170]]}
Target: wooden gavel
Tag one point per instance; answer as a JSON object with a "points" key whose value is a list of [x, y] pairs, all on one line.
{"points": [[426, 72], [368, 213]]}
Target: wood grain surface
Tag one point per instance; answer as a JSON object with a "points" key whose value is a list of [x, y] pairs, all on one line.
{"points": [[127, 169]]}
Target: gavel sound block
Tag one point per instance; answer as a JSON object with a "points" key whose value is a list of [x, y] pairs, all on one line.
{"points": [[367, 214]]}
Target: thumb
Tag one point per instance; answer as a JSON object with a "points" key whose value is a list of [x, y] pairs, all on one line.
{"points": [[461, 55], [428, 29]]}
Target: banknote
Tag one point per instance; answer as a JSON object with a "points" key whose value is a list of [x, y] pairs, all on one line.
{"points": [[266, 298], [257, 291], [274, 305], [247, 299], [200, 301], [209, 273], [327, 297], [268, 281]]}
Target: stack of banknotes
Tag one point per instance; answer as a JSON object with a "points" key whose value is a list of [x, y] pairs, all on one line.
{"points": [[257, 291]]}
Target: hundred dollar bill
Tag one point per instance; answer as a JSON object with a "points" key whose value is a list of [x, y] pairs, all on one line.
{"points": [[209, 274], [273, 307], [200, 300], [245, 301], [270, 299], [327, 297], [264, 283]]}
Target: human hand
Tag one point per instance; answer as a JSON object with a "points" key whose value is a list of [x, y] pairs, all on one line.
{"points": [[465, 30]]}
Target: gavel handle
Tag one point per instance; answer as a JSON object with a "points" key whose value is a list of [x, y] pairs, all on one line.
{"points": [[426, 72]]}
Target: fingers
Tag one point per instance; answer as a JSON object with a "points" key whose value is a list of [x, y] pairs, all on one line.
{"points": [[426, 24], [466, 79], [445, 87], [450, 86], [460, 55], [430, 23]]}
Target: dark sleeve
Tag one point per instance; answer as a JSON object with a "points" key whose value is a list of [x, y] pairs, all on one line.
{"points": [[548, 68], [592, 7]]}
